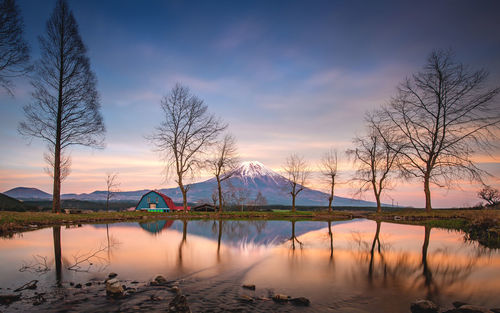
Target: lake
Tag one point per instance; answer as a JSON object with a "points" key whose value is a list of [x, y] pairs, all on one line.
{"points": [[348, 266]]}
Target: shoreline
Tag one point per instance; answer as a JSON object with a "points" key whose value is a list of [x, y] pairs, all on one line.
{"points": [[482, 225]]}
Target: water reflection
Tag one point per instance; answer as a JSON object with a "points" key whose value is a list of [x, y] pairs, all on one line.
{"points": [[368, 264], [56, 233]]}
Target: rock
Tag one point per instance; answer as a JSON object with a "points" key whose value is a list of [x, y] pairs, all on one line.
{"points": [[71, 283], [467, 308], [159, 279], [458, 304], [135, 282], [300, 301], [9, 298], [245, 298], [114, 288], [112, 275], [39, 299], [248, 286], [280, 298], [179, 304], [78, 286], [88, 284], [155, 298], [175, 289], [423, 306]]}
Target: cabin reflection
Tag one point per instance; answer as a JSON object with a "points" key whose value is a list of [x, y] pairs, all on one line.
{"points": [[156, 227]]}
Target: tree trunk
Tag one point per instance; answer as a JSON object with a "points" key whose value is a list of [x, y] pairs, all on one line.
{"points": [[293, 202], [220, 192], [427, 191], [56, 233], [56, 194], [330, 199], [184, 195]]}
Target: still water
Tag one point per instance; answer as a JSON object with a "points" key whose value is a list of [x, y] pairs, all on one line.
{"points": [[354, 266]]}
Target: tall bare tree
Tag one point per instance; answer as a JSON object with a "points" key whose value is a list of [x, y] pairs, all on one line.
{"points": [[329, 171], [444, 114], [375, 160], [185, 134], [65, 110], [223, 162], [297, 172], [14, 51], [112, 185]]}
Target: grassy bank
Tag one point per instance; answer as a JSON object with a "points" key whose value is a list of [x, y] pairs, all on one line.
{"points": [[480, 225]]}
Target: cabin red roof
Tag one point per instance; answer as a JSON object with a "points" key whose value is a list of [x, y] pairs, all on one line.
{"points": [[171, 203]]}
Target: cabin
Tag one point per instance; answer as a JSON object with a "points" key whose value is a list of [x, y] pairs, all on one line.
{"points": [[155, 201], [205, 207]]}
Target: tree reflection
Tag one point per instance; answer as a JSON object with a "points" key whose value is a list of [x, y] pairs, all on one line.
{"points": [[56, 233], [402, 269], [183, 241], [376, 240], [293, 238], [330, 234], [219, 237]]}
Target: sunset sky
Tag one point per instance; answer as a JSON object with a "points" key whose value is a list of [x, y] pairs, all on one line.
{"points": [[287, 76]]}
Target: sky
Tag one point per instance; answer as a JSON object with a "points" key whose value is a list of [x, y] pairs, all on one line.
{"points": [[287, 76]]}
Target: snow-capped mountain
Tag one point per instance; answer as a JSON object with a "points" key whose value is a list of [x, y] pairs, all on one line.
{"points": [[251, 177], [254, 177]]}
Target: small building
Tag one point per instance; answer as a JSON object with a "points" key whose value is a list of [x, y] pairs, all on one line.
{"points": [[205, 207], [155, 201]]}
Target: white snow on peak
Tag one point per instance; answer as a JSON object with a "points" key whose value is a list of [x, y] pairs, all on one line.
{"points": [[253, 169]]}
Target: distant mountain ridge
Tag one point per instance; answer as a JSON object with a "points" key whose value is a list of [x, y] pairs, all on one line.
{"points": [[253, 177], [26, 193]]}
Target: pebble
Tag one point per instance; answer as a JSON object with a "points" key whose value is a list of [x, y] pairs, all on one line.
{"points": [[249, 286], [112, 275]]}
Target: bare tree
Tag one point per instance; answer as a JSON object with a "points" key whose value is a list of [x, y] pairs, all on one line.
{"points": [[444, 114], [223, 163], [185, 134], [490, 195], [14, 51], [374, 160], [240, 196], [65, 110], [112, 185], [260, 201], [297, 172], [329, 171]]}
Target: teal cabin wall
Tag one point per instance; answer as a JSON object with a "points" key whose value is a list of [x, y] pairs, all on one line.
{"points": [[155, 198]]}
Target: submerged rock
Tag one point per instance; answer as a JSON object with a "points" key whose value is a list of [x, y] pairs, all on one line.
{"points": [[249, 286], [424, 306], [112, 275], [458, 304], [468, 308], [280, 298], [245, 298], [9, 298], [114, 288], [159, 280], [179, 304], [300, 301]]}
